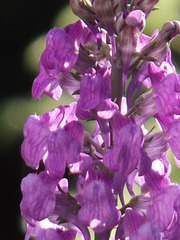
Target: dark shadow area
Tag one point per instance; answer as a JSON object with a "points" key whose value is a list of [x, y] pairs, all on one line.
{"points": [[20, 22]]}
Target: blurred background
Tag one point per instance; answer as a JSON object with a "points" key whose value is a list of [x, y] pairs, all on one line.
{"points": [[23, 26]]}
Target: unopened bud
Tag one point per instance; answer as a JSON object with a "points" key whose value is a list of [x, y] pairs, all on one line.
{"points": [[158, 47], [82, 8], [146, 5], [145, 107], [104, 13], [136, 18]]}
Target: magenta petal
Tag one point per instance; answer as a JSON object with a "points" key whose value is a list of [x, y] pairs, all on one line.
{"points": [[38, 201], [119, 121], [79, 33], [156, 73], [125, 155], [132, 221], [76, 130], [83, 114], [146, 232], [118, 185], [60, 53], [70, 113], [61, 148], [55, 163], [144, 164], [54, 90], [173, 232], [84, 162], [161, 210], [58, 57], [130, 182], [53, 118], [56, 234], [40, 83], [156, 182], [99, 210], [60, 116], [46, 83], [135, 21], [50, 233], [167, 99], [93, 175], [69, 83], [93, 90], [106, 109], [34, 146], [174, 138], [177, 162]]}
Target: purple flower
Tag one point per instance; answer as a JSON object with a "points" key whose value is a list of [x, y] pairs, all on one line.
{"points": [[159, 46], [84, 181], [38, 204], [164, 97], [161, 211], [55, 137], [56, 234], [94, 89], [125, 154], [156, 144], [92, 60], [166, 91], [156, 218], [174, 138], [146, 231], [45, 230], [158, 177], [98, 210], [58, 58]]}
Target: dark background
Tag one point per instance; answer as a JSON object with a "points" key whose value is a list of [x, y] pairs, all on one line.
{"points": [[20, 22]]}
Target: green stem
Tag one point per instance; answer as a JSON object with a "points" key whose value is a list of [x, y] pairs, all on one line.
{"points": [[92, 142], [116, 78], [130, 112]]}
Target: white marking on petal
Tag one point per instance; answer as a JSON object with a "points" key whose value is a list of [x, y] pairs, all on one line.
{"points": [[66, 64], [95, 223], [158, 166]]}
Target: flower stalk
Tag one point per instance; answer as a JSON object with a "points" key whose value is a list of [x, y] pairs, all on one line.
{"points": [[102, 60]]}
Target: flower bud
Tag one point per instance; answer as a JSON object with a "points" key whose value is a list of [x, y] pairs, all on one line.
{"points": [[155, 144], [81, 8], [146, 5], [136, 19], [105, 14], [128, 39], [158, 47], [145, 107]]}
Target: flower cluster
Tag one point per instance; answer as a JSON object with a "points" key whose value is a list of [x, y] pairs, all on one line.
{"points": [[102, 60]]}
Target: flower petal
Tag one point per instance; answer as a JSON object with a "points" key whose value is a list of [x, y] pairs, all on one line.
{"points": [[38, 201], [99, 210], [34, 146], [106, 109]]}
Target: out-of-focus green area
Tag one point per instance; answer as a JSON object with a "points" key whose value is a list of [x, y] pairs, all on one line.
{"points": [[14, 111]]}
